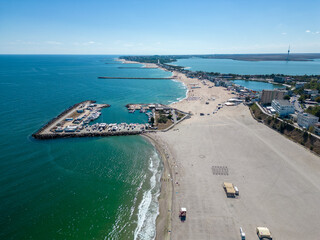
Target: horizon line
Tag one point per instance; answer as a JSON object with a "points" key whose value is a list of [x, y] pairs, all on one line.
{"points": [[109, 54]]}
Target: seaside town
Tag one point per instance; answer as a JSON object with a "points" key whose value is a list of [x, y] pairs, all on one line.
{"points": [[297, 99]]}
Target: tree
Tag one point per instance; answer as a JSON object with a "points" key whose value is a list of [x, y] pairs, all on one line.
{"points": [[286, 97], [317, 99], [302, 98], [162, 119], [311, 129]]}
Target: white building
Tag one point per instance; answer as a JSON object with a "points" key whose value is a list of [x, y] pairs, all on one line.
{"points": [[310, 91], [307, 120], [282, 107], [300, 84]]}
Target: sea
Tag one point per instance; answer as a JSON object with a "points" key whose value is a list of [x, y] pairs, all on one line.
{"points": [[87, 188], [251, 67], [79, 188]]}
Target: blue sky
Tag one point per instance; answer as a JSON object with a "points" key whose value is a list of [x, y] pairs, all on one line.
{"points": [[158, 27]]}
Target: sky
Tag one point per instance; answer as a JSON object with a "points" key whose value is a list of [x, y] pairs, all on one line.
{"points": [[159, 26]]}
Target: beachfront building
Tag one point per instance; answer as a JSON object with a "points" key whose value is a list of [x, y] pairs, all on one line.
{"points": [[268, 95], [282, 107], [311, 91], [307, 120], [300, 84]]}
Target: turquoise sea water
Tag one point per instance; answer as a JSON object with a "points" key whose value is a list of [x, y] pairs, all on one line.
{"points": [[89, 188], [251, 67]]}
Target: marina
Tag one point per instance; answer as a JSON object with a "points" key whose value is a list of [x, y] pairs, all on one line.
{"points": [[75, 121]]}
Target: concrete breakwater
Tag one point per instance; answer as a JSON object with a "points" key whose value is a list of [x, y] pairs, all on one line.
{"points": [[67, 118], [65, 112], [85, 134]]}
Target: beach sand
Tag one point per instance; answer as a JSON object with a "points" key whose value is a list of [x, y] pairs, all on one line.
{"points": [[278, 180]]}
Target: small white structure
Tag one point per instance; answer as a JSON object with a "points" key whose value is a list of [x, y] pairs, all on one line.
{"points": [[242, 234], [306, 120], [263, 232], [235, 100], [229, 104], [237, 190], [71, 128]]}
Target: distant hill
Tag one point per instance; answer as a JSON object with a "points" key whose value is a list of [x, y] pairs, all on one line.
{"points": [[266, 57]]}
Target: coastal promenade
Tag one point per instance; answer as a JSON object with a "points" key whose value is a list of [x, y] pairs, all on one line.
{"points": [[278, 179]]}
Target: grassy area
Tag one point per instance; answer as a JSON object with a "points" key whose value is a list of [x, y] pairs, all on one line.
{"points": [[162, 121], [285, 128], [180, 115]]}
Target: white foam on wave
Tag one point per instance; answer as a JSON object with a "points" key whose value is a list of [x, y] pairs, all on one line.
{"points": [[119, 225], [148, 209], [187, 91], [136, 197]]}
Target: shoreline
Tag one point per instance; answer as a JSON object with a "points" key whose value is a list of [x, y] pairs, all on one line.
{"points": [[164, 218]]}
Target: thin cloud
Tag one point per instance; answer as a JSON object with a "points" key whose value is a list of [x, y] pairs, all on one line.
{"points": [[85, 43], [284, 33], [308, 31], [53, 42]]}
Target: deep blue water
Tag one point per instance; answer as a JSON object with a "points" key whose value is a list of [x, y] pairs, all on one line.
{"points": [[88, 188], [251, 67]]}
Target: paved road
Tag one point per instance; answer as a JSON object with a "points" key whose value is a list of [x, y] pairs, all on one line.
{"points": [[174, 116], [296, 104]]}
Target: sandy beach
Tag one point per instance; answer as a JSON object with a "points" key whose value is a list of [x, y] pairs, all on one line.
{"points": [[278, 180]]}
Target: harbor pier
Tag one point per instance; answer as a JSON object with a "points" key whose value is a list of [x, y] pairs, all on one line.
{"points": [[74, 122]]}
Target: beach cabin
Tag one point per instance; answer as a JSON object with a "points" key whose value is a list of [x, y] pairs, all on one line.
{"points": [[229, 189]]}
